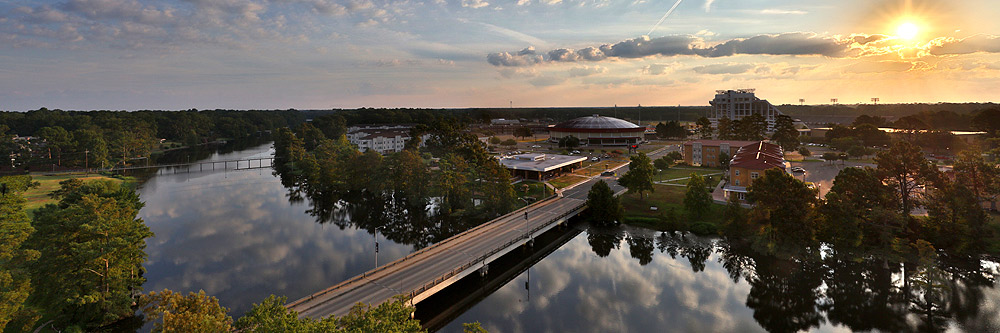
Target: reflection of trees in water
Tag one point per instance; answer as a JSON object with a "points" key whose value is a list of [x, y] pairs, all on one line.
{"points": [[862, 293]]}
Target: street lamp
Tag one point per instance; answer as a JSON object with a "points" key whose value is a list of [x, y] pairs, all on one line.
{"points": [[527, 230], [376, 247]]}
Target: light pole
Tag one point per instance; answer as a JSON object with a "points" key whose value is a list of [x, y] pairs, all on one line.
{"points": [[527, 230], [376, 247]]}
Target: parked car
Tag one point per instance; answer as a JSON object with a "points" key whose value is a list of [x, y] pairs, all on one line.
{"points": [[595, 159], [798, 169], [536, 146], [576, 151]]}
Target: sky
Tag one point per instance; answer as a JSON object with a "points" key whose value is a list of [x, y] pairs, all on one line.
{"points": [[318, 54]]}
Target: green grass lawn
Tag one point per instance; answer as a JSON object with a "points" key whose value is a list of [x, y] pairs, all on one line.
{"points": [[531, 189], [567, 180], [665, 198], [674, 173], [39, 196]]}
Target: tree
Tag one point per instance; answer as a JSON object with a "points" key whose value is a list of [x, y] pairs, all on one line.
{"points": [[670, 129], [271, 315], [830, 157], [726, 129], [871, 135], [785, 133], [752, 127], [987, 121], [569, 142], [697, 200], [868, 120], [509, 143], [639, 177], [662, 163], [857, 151], [783, 208], [674, 156], [391, 316], [904, 167], [605, 209], [15, 228], [91, 143], [57, 139], [92, 250], [855, 214], [172, 312], [724, 160], [980, 177], [522, 131], [704, 128], [804, 152], [495, 140]]}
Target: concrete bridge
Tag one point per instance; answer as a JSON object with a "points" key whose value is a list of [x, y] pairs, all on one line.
{"points": [[425, 272]]}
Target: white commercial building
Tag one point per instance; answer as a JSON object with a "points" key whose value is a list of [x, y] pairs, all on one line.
{"points": [[736, 104], [383, 139]]}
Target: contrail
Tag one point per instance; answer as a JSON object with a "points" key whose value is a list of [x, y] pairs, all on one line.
{"points": [[664, 17]]}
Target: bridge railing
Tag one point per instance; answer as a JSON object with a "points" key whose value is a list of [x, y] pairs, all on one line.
{"points": [[483, 257], [411, 255]]}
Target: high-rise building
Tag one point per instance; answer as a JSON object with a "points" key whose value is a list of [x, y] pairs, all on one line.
{"points": [[736, 104]]}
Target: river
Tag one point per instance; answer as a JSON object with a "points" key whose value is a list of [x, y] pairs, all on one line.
{"points": [[243, 235]]}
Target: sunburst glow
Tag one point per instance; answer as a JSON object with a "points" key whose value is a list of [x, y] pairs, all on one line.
{"points": [[907, 30]]}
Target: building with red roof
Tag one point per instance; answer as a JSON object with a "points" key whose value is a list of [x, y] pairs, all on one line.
{"points": [[749, 163]]}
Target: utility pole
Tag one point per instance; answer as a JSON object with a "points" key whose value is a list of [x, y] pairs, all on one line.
{"points": [[376, 247]]}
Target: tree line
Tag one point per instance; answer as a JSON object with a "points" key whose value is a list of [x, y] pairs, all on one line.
{"points": [[103, 138], [453, 166]]}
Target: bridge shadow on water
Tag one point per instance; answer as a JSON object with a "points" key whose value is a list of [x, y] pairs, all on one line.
{"points": [[439, 310]]}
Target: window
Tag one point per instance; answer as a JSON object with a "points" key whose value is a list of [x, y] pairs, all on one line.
{"points": [[742, 196], [753, 175], [737, 171], [737, 182]]}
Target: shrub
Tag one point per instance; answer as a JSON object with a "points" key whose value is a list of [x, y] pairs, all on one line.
{"points": [[703, 229]]}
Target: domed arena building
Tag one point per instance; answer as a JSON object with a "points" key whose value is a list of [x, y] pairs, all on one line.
{"points": [[598, 130]]}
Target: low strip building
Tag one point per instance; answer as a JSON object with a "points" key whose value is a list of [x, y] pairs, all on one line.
{"points": [[541, 166], [749, 163], [706, 152]]}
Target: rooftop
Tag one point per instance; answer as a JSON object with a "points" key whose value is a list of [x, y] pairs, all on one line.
{"points": [[597, 122], [759, 156], [732, 143], [539, 162]]}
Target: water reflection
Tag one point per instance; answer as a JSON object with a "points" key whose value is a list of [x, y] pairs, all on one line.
{"points": [[236, 235], [628, 279]]}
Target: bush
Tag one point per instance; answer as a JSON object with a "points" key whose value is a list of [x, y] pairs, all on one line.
{"points": [[642, 220], [703, 229]]}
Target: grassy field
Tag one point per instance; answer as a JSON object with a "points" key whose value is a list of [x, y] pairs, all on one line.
{"points": [[674, 173], [39, 196], [665, 198], [531, 189], [567, 180], [596, 168]]}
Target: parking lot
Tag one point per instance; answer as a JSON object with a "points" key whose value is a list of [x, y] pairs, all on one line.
{"points": [[822, 173]]}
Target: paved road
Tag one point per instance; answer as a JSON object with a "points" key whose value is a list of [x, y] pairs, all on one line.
{"points": [[429, 267]]}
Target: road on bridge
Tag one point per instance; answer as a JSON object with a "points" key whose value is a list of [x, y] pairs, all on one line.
{"points": [[433, 265]]}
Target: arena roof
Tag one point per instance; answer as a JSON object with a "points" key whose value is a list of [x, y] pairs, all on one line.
{"points": [[597, 122]]}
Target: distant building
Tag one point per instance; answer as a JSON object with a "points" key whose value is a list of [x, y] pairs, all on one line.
{"points": [[706, 152], [598, 130], [541, 166], [501, 121], [749, 163], [383, 139], [736, 104]]}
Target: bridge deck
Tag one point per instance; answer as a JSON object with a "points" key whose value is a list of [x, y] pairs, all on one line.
{"points": [[424, 272]]}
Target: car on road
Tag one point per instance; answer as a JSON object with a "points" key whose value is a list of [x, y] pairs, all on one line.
{"points": [[576, 151], [608, 174], [595, 159], [536, 146], [798, 169]]}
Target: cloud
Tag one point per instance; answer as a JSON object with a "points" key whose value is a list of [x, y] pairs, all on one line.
{"points": [[708, 5], [793, 43], [474, 3], [586, 71], [878, 67], [546, 81], [724, 69], [783, 12], [525, 57], [657, 69], [972, 44]]}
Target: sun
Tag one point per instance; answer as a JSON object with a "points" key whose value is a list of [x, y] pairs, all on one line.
{"points": [[907, 30]]}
